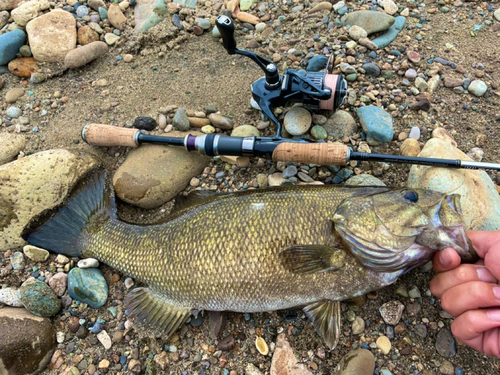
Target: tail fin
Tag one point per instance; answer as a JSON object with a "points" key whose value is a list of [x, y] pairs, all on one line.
{"points": [[91, 200]]}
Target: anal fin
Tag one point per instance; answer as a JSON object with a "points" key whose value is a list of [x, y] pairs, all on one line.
{"points": [[312, 258], [325, 316], [150, 308]]}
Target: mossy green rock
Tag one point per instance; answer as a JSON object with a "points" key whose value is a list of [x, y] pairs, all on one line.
{"points": [[87, 285], [39, 299]]}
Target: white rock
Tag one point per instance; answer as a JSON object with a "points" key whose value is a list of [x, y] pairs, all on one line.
{"points": [[28, 11], [60, 337], [111, 38], [35, 253], [62, 259], [88, 263], [389, 6], [357, 32], [338, 6], [497, 14], [415, 133], [104, 339], [129, 282], [52, 36], [58, 283], [433, 84], [10, 296]]}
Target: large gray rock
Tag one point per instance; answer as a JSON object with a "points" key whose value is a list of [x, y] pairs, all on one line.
{"points": [[27, 342], [369, 20], [52, 36], [33, 184], [341, 124], [152, 175], [11, 145], [479, 199]]}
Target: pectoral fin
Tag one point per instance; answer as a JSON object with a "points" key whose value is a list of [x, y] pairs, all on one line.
{"points": [[325, 316], [149, 307], [312, 258]]}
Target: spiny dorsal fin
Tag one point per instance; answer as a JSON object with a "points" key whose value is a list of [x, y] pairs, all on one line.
{"points": [[312, 258], [151, 308], [325, 316]]}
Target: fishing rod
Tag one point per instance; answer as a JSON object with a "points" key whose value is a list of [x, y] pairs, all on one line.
{"points": [[315, 90]]}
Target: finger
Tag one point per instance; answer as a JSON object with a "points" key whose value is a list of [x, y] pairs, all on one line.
{"points": [[445, 260], [460, 275], [484, 241], [473, 323], [479, 329], [470, 296]]}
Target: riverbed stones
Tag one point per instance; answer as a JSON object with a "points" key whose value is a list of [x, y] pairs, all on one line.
{"points": [[9, 4], [52, 36], [377, 124], [357, 32], [34, 184], [23, 67], [245, 131], [341, 124], [479, 199], [181, 120], [385, 39], [10, 297], [14, 94], [29, 10], [36, 254], [12, 144], [445, 344], [297, 121], [410, 147], [371, 21], [391, 312], [220, 121], [87, 35], [87, 285], [10, 43], [149, 13], [86, 54], [168, 172], [389, 6], [356, 362], [27, 341], [58, 283], [39, 299]]}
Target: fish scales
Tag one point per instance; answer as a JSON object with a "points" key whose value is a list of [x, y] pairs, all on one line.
{"points": [[223, 255]]}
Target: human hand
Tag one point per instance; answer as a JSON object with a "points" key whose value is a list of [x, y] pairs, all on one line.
{"points": [[470, 292]]}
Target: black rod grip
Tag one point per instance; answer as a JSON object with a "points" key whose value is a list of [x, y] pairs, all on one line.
{"points": [[226, 29]]}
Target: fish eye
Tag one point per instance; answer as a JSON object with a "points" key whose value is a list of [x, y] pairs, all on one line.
{"points": [[410, 196]]}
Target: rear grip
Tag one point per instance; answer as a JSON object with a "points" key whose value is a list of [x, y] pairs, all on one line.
{"points": [[108, 136], [312, 153]]}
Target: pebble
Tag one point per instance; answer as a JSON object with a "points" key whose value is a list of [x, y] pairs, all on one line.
{"points": [[384, 344], [421, 330], [319, 132], [371, 69], [58, 283], [289, 171], [275, 179], [145, 123], [86, 54], [476, 154], [207, 129], [341, 124], [261, 345], [62, 259], [385, 39], [415, 133], [10, 43], [104, 339], [478, 87], [10, 297], [371, 21], [203, 23], [181, 120], [87, 285], [411, 74], [410, 147], [377, 123], [445, 343], [317, 63], [356, 32], [216, 32], [116, 17], [250, 369], [111, 39], [88, 263], [297, 121], [17, 260], [14, 94], [39, 299], [14, 112], [391, 312], [35, 253], [198, 321], [496, 14], [413, 56], [245, 131], [220, 121], [358, 326]]}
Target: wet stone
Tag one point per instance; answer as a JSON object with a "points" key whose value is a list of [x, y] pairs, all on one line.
{"points": [[421, 330], [445, 343], [391, 312], [87, 285], [39, 299]]}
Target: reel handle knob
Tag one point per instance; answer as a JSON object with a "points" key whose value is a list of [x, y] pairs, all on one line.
{"points": [[226, 28]]}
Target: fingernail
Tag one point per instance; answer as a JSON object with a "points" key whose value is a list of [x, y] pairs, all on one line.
{"points": [[445, 258], [496, 291], [485, 275], [493, 315]]}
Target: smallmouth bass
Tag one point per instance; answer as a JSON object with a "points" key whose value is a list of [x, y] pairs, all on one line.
{"points": [[258, 250]]}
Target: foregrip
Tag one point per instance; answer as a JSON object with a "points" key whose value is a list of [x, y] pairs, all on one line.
{"points": [[107, 135], [312, 153]]}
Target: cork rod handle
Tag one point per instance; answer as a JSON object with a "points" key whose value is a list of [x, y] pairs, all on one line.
{"points": [[107, 135], [312, 153]]}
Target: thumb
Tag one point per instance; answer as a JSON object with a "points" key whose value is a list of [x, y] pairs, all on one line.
{"points": [[445, 260]]}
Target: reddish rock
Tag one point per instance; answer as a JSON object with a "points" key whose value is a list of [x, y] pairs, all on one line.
{"points": [[413, 56], [453, 82], [23, 67], [86, 35], [284, 360], [197, 30]]}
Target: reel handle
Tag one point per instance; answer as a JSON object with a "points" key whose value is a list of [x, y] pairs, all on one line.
{"points": [[312, 153], [107, 135], [226, 29]]}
